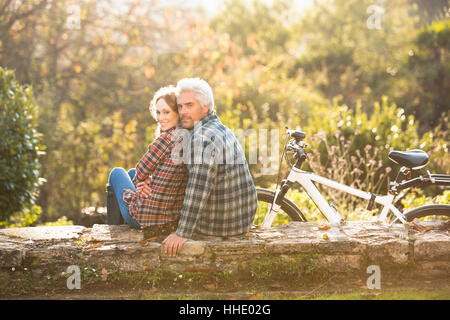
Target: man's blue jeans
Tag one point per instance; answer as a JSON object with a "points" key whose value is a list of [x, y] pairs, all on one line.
{"points": [[120, 180]]}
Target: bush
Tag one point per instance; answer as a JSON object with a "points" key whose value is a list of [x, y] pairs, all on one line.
{"points": [[351, 147], [417, 198], [19, 148]]}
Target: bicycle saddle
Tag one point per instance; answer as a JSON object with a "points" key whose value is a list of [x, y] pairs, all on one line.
{"points": [[410, 159], [298, 135]]}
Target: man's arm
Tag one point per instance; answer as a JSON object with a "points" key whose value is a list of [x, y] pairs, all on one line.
{"points": [[202, 178], [173, 244]]}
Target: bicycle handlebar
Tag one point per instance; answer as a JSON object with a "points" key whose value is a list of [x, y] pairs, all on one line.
{"points": [[301, 153]]}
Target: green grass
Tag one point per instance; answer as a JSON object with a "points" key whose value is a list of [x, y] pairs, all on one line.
{"points": [[401, 294]]}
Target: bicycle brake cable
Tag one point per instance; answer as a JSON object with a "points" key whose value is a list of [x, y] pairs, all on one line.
{"points": [[281, 160]]}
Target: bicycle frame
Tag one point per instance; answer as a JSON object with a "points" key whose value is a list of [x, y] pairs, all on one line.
{"points": [[306, 179]]}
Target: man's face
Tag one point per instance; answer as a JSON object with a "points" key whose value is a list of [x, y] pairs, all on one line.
{"points": [[190, 109]]}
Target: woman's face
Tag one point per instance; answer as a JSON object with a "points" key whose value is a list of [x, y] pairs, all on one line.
{"points": [[166, 117]]}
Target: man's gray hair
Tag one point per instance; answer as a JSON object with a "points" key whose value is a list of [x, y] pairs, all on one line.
{"points": [[203, 91]]}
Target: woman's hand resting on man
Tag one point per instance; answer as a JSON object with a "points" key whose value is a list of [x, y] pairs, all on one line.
{"points": [[143, 188]]}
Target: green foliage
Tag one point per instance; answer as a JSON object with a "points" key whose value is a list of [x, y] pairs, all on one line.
{"points": [[417, 197], [86, 153], [270, 66], [354, 146], [19, 148], [251, 36], [436, 143], [429, 93], [271, 267], [63, 221], [432, 10], [24, 218], [341, 56]]}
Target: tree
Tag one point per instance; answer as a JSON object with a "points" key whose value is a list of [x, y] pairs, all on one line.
{"points": [[428, 95], [343, 54], [432, 10], [19, 147], [93, 69]]}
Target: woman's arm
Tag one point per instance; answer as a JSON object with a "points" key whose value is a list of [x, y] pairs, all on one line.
{"points": [[143, 188], [156, 153]]}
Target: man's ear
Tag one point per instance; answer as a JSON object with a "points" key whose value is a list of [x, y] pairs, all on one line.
{"points": [[206, 109]]}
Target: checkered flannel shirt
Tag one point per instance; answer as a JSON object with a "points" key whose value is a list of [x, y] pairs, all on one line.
{"points": [[168, 184], [220, 195]]}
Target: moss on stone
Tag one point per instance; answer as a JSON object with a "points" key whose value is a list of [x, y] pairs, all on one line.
{"points": [[290, 270]]}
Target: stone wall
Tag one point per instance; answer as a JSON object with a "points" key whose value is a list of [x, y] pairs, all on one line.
{"points": [[311, 248]]}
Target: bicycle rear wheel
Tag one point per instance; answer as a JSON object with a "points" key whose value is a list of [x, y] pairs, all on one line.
{"points": [[265, 200], [428, 210]]}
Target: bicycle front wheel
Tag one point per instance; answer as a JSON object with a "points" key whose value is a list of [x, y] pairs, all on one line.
{"points": [[265, 200], [428, 210]]}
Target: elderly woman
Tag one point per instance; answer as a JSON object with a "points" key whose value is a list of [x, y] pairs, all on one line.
{"points": [[151, 194]]}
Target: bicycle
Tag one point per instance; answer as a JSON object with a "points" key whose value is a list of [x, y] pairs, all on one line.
{"points": [[409, 161]]}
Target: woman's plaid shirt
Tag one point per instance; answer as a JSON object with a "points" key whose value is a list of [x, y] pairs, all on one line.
{"points": [[168, 184], [220, 196]]}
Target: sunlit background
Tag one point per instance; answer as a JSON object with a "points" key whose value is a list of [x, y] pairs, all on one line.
{"points": [[360, 77]]}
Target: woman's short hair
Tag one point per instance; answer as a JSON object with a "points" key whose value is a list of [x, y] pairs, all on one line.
{"points": [[169, 96], [203, 91]]}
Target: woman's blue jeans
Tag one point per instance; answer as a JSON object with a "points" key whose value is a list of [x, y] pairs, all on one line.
{"points": [[120, 180]]}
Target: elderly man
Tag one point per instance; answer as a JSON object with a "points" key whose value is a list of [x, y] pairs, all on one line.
{"points": [[220, 195]]}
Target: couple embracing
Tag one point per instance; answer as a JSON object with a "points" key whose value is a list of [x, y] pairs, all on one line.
{"points": [[182, 183]]}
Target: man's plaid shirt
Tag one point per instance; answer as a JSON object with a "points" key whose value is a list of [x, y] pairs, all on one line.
{"points": [[168, 184], [220, 195]]}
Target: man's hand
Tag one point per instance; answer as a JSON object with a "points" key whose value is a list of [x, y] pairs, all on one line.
{"points": [[173, 244], [143, 188]]}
